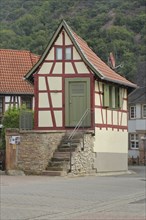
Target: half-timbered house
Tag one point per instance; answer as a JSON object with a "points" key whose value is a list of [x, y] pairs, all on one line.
{"points": [[14, 90], [70, 79]]}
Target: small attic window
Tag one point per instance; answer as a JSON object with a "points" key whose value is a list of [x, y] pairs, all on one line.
{"points": [[68, 53], [58, 53]]}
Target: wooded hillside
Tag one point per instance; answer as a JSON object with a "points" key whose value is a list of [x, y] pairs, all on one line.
{"points": [[106, 25]]}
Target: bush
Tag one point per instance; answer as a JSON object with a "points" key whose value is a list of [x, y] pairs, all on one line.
{"points": [[11, 120]]}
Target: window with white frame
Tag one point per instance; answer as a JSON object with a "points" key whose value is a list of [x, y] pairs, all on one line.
{"points": [[63, 54], [144, 111], [59, 53], [134, 142], [132, 112], [68, 53]]}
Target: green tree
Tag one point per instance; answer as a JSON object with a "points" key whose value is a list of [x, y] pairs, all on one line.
{"points": [[10, 120]]}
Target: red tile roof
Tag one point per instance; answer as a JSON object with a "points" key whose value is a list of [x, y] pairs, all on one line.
{"points": [[14, 65], [97, 66], [103, 69]]}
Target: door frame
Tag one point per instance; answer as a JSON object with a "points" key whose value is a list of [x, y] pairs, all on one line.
{"points": [[67, 96]]}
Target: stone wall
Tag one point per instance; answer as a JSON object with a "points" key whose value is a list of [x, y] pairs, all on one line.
{"points": [[142, 153], [34, 150], [83, 160]]}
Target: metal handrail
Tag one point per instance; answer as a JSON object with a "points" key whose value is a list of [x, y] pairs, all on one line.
{"points": [[78, 124], [74, 132]]}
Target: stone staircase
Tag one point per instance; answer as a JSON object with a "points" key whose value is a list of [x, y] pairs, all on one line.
{"points": [[59, 165]]}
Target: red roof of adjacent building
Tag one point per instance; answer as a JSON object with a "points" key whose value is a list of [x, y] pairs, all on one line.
{"points": [[14, 64]]}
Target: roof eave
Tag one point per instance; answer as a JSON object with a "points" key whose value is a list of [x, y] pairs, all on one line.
{"points": [[16, 93], [131, 85]]}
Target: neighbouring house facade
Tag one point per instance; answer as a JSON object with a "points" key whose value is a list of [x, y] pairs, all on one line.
{"points": [[137, 117], [14, 90], [68, 79]]}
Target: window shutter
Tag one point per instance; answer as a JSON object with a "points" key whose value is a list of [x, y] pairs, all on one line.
{"points": [[26, 120], [120, 97], [106, 95], [113, 97]]}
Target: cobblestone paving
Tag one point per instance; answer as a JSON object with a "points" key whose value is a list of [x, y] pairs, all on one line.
{"points": [[62, 198]]}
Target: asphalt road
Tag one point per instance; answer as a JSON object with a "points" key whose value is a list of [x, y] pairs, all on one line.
{"points": [[114, 197]]}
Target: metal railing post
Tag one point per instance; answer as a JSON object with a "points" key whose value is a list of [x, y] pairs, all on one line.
{"points": [[70, 157]]}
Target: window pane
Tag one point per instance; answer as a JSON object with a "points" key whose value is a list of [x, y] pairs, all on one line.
{"points": [[136, 137], [27, 101], [106, 99], [110, 97], [131, 136], [78, 88], [68, 53], [59, 53], [117, 100], [132, 144], [1, 104], [137, 145], [132, 112]]}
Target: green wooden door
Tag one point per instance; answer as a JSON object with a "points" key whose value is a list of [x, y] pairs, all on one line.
{"points": [[77, 101]]}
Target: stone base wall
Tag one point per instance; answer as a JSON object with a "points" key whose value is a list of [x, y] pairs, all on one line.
{"points": [[83, 160], [34, 150]]}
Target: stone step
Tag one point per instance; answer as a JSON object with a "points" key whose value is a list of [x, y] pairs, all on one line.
{"points": [[73, 141], [66, 149], [53, 173], [55, 168], [58, 154], [60, 159], [56, 164], [78, 135], [68, 145]]}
